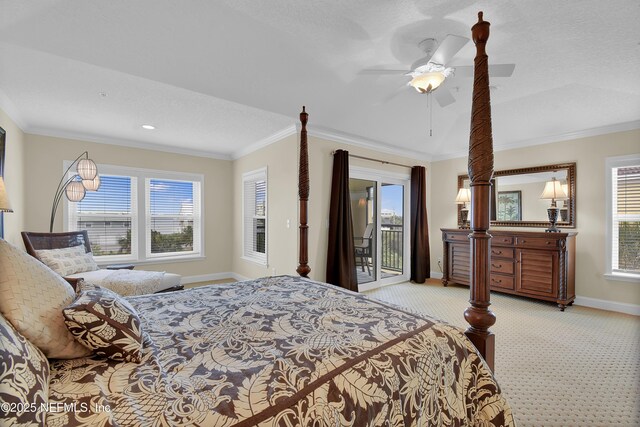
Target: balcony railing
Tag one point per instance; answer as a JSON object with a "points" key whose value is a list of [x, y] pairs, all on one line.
{"points": [[392, 247]]}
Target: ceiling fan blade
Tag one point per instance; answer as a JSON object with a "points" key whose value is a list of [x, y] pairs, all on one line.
{"points": [[443, 96], [374, 71], [501, 70], [448, 49], [495, 70], [393, 94]]}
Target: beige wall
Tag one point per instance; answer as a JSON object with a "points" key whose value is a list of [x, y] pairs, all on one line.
{"points": [[14, 179], [31, 196], [281, 160], [589, 155], [45, 166]]}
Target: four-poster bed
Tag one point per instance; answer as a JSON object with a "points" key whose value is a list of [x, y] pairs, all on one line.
{"points": [[273, 351]]}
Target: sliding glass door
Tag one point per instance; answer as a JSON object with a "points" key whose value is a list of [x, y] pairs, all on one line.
{"points": [[363, 215], [379, 206]]}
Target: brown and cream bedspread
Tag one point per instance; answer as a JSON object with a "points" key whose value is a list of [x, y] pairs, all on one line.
{"points": [[282, 351]]}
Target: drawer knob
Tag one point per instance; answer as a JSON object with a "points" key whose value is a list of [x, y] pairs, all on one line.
{"points": [[497, 281], [524, 241], [496, 266]]}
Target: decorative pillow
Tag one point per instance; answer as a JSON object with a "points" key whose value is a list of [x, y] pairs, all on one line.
{"points": [[32, 298], [24, 379], [106, 323], [66, 261]]}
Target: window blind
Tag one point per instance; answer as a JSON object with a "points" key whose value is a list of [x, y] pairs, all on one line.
{"points": [[626, 219], [109, 216], [173, 216], [255, 216]]}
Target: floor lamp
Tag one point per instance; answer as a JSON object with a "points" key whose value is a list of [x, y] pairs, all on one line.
{"points": [[76, 187]]}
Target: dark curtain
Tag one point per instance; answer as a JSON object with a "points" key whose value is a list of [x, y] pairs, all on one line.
{"points": [[341, 259], [492, 204], [420, 257]]}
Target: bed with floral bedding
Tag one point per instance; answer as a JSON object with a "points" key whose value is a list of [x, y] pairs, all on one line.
{"points": [[281, 351]]}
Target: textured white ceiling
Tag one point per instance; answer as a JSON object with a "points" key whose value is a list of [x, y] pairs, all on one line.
{"points": [[217, 78]]}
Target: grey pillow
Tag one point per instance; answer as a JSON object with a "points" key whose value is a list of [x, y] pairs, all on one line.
{"points": [[106, 323]]}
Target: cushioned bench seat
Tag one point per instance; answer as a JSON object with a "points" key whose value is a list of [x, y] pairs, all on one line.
{"points": [[128, 287]]}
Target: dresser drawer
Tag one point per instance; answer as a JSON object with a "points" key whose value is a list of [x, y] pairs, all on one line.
{"points": [[502, 282], [536, 242], [502, 240], [502, 266], [501, 253], [458, 237]]}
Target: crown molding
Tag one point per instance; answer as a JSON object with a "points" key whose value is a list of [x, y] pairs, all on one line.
{"points": [[126, 143], [281, 134], [363, 142], [602, 130], [10, 109]]}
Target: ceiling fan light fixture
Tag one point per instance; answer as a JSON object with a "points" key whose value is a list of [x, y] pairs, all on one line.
{"points": [[427, 82]]}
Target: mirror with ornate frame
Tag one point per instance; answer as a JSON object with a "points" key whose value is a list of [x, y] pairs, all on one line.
{"points": [[515, 196]]}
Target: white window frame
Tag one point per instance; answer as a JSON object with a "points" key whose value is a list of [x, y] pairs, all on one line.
{"points": [[383, 176], [611, 201], [140, 245], [197, 220], [249, 254]]}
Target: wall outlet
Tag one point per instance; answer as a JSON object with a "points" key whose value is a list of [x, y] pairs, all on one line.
{"points": [[440, 263]]}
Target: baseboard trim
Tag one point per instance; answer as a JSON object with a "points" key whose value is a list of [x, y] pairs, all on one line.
{"points": [[620, 307], [436, 275], [206, 277], [238, 277]]}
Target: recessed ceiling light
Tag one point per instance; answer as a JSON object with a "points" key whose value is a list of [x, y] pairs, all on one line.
{"points": [[148, 127]]}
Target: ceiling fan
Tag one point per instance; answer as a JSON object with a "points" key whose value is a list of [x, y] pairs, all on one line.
{"points": [[428, 73]]}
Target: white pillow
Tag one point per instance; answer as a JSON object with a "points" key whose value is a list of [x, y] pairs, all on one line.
{"points": [[32, 298], [68, 261]]}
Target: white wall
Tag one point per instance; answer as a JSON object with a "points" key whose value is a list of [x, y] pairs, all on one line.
{"points": [[589, 155]]}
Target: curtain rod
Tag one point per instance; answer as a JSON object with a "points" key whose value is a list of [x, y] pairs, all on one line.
{"points": [[384, 162]]}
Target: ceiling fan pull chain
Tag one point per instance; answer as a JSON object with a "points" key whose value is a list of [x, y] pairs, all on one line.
{"points": [[430, 101]]}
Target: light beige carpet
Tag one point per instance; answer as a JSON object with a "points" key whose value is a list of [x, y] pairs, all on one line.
{"points": [[580, 367]]}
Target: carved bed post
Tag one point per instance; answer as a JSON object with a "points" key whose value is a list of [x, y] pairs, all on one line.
{"points": [[478, 315], [303, 194]]}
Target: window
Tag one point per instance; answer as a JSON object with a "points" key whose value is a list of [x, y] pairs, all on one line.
{"points": [[254, 213], [171, 217], [623, 217], [161, 220], [109, 216]]}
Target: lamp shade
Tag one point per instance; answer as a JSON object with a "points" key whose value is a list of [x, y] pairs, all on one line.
{"points": [[75, 191], [5, 206], [464, 196], [91, 184], [87, 169], [553, 190], [565, 188], [427, 82]]}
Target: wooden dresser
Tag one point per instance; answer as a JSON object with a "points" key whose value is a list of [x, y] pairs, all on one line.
{"points": [[531, 264]]}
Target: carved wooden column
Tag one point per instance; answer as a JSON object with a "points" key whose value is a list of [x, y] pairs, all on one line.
{"points": [[478, 315], [303, 194]]}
